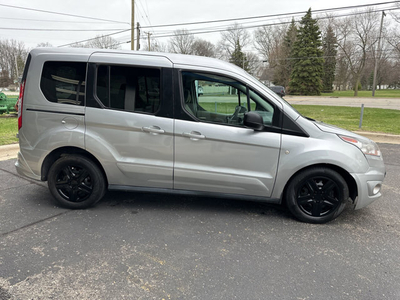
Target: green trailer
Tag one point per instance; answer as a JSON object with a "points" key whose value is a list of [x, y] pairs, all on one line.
{"points": [[7, 103]]}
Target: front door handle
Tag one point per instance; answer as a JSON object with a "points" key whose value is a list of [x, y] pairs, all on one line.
{"points": [[153, 129], [194, 135]]}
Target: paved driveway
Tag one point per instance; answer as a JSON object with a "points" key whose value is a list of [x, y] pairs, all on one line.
{"points": [[388, 103], [149, 246]]}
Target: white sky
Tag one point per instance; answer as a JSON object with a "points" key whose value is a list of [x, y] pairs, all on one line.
{"points": [[147, 12]]}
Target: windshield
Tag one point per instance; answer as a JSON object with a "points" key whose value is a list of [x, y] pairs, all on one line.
{"points": [[288, 106]]}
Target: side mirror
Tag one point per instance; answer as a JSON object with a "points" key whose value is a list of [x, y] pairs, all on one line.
{"points": [[253, 120]]}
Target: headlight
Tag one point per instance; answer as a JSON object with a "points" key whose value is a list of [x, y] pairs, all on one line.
{"points": [[367, 146]]}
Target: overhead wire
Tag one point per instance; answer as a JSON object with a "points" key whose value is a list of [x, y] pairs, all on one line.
{"points": [[206, 30], [191, 23], [91, 39], [58, 29], [52, 21], [62, 14], [269, 16]]}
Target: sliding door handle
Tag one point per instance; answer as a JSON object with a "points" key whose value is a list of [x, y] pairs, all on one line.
{"points": [[194, 135], [153, 129]]}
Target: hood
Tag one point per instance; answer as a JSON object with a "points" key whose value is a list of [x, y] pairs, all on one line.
{"points": [[336, 130]]}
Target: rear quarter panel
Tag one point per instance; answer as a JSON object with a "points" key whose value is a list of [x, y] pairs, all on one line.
{"points": [[46, 125]]}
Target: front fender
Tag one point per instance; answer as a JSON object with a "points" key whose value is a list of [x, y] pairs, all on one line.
{"points": [[298, 153]]}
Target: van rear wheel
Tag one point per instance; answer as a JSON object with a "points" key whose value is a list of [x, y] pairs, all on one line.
{"points": [[317, 195], [76, 182]]}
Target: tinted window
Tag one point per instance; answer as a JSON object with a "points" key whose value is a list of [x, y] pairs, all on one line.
{"points": [[128, 88], [219, 99], [64, 82]]}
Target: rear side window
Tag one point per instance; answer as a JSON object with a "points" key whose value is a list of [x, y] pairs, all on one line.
{"points": [[128, 88], [64, 82]]}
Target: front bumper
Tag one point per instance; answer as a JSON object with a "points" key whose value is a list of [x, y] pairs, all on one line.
{"points": [[368, 186]]}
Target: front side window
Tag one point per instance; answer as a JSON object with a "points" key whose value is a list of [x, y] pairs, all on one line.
{"points": [[128, 88], [64, 82], [218, 99]]}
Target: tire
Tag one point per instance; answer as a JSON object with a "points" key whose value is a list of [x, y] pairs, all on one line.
{"points": [[76, 182], [317, 195]]}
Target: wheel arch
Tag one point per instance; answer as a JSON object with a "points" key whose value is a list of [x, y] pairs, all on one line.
{"points": [[59, 152], [351, 183]]}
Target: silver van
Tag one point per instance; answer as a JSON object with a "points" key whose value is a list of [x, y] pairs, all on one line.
{"points": [[91, 120]]}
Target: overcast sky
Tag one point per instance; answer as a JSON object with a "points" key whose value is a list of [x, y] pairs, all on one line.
{"points": [[147, 12]]}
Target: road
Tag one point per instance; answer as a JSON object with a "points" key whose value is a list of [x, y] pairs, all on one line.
{"points": [[150, 246], [386, 103]]}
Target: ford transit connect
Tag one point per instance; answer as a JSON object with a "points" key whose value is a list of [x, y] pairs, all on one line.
{"points": [[96, 120]]}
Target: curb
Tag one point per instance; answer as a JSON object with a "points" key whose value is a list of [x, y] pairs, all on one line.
{"points": [[380, 137], [9, 151]]}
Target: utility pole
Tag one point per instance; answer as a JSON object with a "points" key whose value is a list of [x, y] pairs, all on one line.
{"points": [[16, 66], [148, 39], [378, 55], [133, 26], [138, 36]]}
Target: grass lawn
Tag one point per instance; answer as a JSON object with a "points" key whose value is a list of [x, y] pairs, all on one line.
{"points": [[375, 119], [8, 130], [378, 94]]}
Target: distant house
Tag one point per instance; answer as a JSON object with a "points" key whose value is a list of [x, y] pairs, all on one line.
{"points": [[266, 77]]}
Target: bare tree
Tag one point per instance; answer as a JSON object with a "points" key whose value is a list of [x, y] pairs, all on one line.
{"points": [[203, 48], [78, 45], [44, 44], [13, 55], [182, 42], [155, 46], [234, 34], [254, 63], [395, 14], [103, 42], [268, 39], [356, 38], [275, 44], [394, 75]]}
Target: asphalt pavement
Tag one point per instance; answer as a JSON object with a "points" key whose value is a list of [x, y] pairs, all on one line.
{"points": [[386, 103], [154, 246]]}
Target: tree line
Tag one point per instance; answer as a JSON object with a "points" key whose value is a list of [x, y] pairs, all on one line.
{"points": [[307, 57]]}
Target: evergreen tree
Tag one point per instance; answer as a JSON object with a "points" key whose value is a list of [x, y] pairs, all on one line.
{"points": [[307, 59], [330, 51], [285, 64], [239, 58]]}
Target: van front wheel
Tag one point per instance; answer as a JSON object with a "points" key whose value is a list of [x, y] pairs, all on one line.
{"points": [[76, 182], [317, 195]]}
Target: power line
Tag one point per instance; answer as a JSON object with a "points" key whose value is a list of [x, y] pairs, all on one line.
{"points": [[270, 16], [63, 14], [144, 11], [49, 29], [91, 39], [52, 21], [205, 31]]}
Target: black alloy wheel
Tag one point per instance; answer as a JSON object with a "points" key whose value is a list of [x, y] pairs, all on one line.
{"points": [[317, 195], [76, 182]]}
